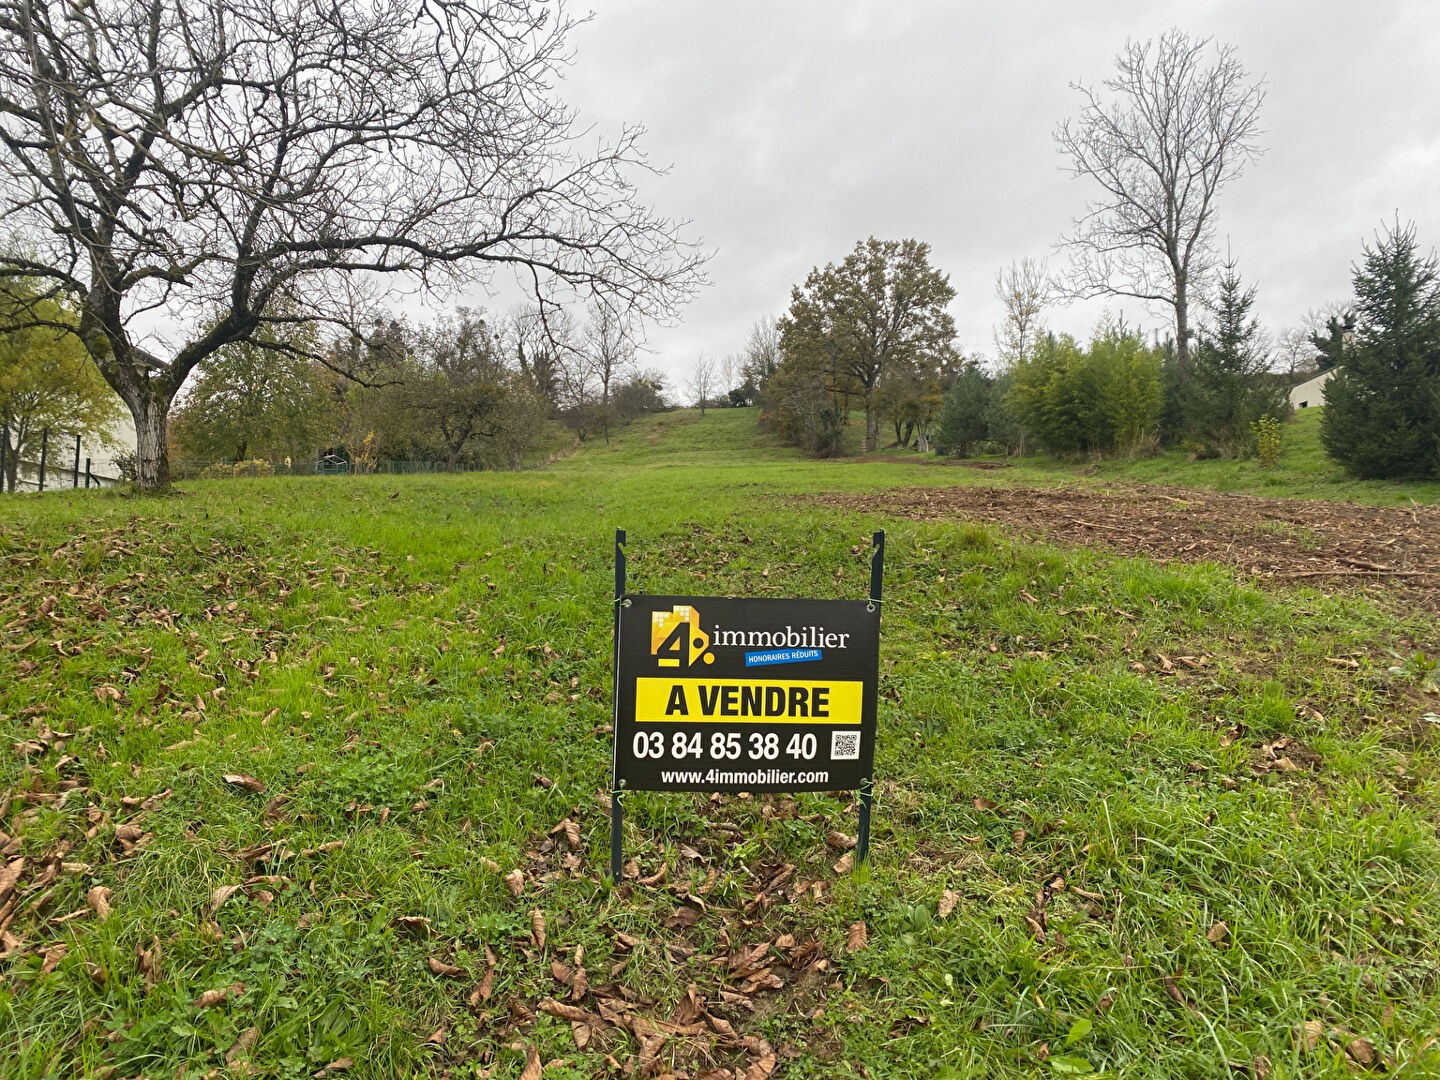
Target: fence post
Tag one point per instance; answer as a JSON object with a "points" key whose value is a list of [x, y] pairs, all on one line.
{"points": [[44, 451], [76, 484], [87, 474]]}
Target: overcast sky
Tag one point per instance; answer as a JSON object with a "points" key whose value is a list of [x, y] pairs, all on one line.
{"points": [[794, 129]]}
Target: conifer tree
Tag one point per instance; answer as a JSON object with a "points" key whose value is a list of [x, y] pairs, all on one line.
{"points": [[1382, 409], [1229, 388]]}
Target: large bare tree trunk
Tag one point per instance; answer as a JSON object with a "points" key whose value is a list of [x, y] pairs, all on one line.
{"points": [[152, 450], [872, 428], [151, 445]]}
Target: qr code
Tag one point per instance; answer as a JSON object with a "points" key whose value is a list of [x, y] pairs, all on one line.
{"points": [[844, 746]]}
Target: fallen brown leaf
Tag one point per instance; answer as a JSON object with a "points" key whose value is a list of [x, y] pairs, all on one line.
{"points": [[220, 895], [537, 928], [442, 969], [532, 1068], [488, 864], [437, 1037], [242, 1046], [210, 998], [571, 830], [1172, 990], [839, 841], [246, 781], [1216, 934], [52, 957], [1362, 1052], [948, 900], [485, 987], [845, 864], [98, 900], [338, 1065], [1308, 1035], [858, 938], [515, 880], [9, 875], [565, 1012]]}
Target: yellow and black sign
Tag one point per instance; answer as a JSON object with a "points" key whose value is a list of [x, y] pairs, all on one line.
{"points": [[745, 695]]}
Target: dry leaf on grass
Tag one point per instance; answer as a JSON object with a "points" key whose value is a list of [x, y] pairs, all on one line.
{"points": [[243, 1046], [52, 957], [551, 1007], [338, 1065], [486, 986], [220, 895], [9, 876], [246, 781], [532, 1068], [1361, 1052], [948, 900], [1172, 990], [444, 970], [537, 928], [210, 998], [571, 831], [98, 900], [839, 841], [488, 864], [1308, 1035], [437, 1037], [858, 938], [845, 864], [515, 880], [1216, 934]]}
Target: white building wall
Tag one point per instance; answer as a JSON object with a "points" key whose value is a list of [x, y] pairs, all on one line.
{"points": [[1310, 394]]}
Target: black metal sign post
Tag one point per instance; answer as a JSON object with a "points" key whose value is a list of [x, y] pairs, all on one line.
{"points": [[745, 694], [617, 813]]}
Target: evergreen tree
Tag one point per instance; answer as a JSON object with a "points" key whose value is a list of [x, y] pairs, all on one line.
{"points": [[965, 414], [1382, 409], [1229, 386]]}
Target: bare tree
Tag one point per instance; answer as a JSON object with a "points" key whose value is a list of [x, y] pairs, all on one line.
{"points": [[761, 355], [1172, 133], [609, 354], [702, 382], [209, 168], [1025, 288]]}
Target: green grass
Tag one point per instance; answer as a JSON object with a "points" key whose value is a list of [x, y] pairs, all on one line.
{"points": [[1304, 471], [419, 668]]}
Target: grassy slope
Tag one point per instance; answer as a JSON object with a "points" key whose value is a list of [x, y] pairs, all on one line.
{"points": [[371, 636], [1304, 471]]}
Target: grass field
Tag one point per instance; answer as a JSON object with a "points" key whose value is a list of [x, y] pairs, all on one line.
{"points": [[1135, 820]]}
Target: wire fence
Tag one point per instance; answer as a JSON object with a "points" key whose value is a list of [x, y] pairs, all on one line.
{"points": [[57, 464], [193, 469]]}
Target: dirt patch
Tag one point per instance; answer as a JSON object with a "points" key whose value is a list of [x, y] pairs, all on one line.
{"points": [[1395, 550]]}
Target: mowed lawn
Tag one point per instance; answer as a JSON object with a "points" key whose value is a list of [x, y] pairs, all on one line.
{"points": [[308, 777]]}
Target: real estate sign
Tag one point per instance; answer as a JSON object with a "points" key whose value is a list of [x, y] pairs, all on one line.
{"points": [[717, 694]]}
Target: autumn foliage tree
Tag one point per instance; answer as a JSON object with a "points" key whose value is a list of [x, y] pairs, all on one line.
{"points": [[879, 311], [219, 166]]}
